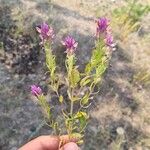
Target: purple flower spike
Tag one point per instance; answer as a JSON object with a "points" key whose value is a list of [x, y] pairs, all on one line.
{"points": [[70, 44], [102, 25], [46, 32], [36, 90], [109, 40]]}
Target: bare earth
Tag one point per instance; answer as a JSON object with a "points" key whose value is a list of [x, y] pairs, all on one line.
{"points": [[123, 103]]}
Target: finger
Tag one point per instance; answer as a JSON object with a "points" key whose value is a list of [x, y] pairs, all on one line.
{"points": [[42, 143], [64, 139], [70, 146]]}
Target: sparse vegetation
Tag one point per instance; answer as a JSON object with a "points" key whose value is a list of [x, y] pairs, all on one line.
{"points": [[119, 114], [128, 17]]}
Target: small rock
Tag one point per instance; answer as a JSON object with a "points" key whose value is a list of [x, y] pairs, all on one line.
{"points": [[120, 131]]}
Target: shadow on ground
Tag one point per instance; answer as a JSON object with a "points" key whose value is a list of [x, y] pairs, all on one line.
{"points": [[21, 65]]}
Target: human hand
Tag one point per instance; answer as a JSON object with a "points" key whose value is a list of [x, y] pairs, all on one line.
{"points": [[51, 143]]}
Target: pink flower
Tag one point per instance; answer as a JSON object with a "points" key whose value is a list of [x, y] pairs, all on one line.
{"points": [[36, 90], [70, 44], [109, 40], [46, 32], [102, 25]]}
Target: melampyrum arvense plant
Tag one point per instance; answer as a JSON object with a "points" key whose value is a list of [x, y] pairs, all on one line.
{"points": [[80, 85]]}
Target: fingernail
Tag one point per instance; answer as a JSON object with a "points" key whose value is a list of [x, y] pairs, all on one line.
{"points": [[70, 146]]}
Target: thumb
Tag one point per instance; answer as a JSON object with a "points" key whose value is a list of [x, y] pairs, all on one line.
{"points": [[70, 146]]}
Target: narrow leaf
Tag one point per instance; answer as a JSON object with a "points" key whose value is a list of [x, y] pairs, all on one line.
{"points": [[61, 98]]}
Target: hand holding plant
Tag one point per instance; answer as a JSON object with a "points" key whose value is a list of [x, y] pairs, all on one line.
{"points": [[80, 85]]}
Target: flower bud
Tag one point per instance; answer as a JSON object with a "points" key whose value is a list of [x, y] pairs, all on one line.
{"points": [[36, 90], [46, 32], [70, 44]]}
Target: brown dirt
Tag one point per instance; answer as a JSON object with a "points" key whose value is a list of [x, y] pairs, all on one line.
{"points": [[123, 100]]}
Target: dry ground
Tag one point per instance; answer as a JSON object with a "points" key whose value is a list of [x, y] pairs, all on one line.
{"points": [[120, 113]]}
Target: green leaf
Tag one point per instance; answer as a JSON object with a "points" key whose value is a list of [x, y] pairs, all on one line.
{"points": [[97, 57], [96, 81], [70, 60], [45, 106], [101, 69], [80, 142], [61, 98], [82, 114], [88, 68], [82, 117], [50, 62], [85, 81], [85, 99], [55, 84], [73, 73], [75, 98], [74, 77]]}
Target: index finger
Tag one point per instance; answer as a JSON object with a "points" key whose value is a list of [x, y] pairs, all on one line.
{"points": [[42, 143], [48, 143]]}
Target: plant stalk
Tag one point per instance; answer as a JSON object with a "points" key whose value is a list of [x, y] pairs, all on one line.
{"points": [[71, 107]]}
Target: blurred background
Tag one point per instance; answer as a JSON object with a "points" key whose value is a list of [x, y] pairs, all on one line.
{"points": [[120, 113]]}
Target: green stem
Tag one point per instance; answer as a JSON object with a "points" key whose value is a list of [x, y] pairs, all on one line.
{"points": [[72, 103], [71, 107], [71, 112]]}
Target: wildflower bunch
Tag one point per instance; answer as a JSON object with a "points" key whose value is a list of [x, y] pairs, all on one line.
{"points": [[70, 44], [80, 86], [46, 32], [103, 32], [36, 90]]}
